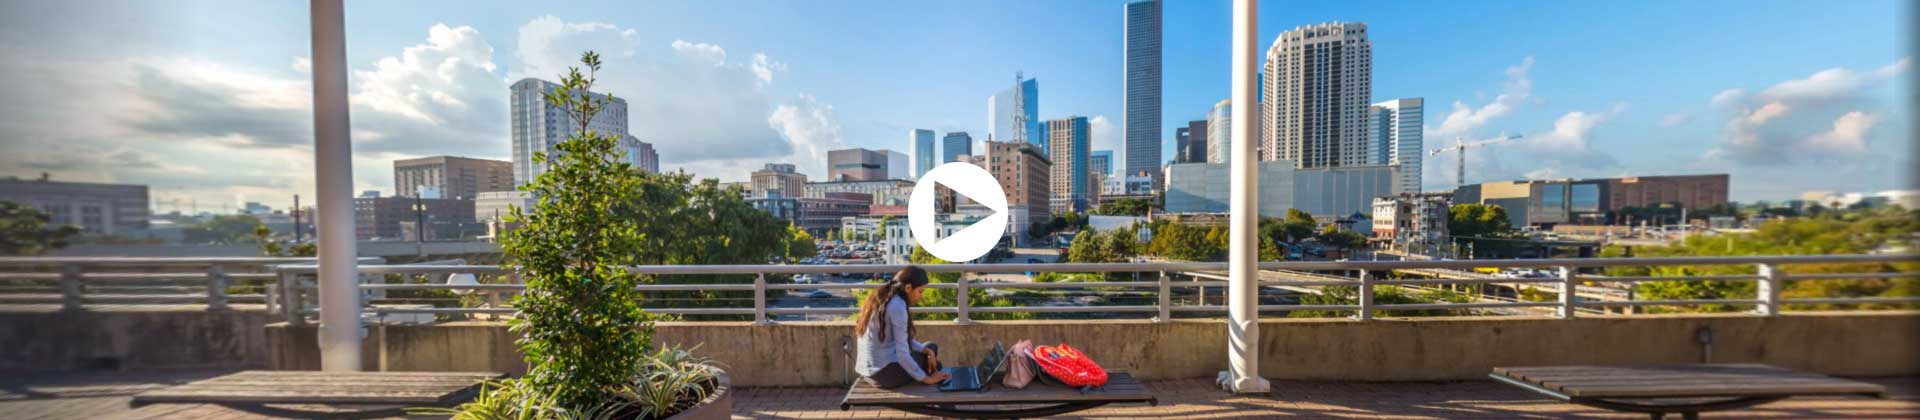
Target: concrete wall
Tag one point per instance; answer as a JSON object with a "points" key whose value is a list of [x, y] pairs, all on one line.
{"points": [[810, 353], [132, 339]]}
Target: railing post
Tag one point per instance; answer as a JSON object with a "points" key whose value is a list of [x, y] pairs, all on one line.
{"points": [[289, 298], [961, 303], [70, 289], [1166, 299], [1768, 288], [1366, 297], [760, 299], [1569, 294], [217, 281]]}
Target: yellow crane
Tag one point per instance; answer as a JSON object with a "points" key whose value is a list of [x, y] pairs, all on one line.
{"points": [[1461, 144]]}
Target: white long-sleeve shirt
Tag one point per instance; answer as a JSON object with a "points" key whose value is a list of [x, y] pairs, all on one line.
{"points": [[875, 353]]}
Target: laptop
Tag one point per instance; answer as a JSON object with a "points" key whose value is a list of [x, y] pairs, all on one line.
{"points": [[974, 378]]}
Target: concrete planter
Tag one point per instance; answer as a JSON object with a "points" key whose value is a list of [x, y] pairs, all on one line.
{"points": [[717, 406]]}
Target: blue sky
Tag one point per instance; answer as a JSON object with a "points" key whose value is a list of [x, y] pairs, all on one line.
{"points": [[204, 100]]}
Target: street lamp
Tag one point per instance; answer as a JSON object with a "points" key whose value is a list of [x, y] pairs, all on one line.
{"points": [[419, 219]]}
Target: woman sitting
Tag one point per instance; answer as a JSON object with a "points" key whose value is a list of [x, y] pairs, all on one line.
{"points": [[889, 357]]}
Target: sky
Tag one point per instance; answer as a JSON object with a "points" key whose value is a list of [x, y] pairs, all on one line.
{"points": [[209, 102]]}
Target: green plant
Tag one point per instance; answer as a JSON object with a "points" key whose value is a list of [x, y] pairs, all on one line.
{"points": [[671, 380], [24, 230], [583, 333], [514, 399]]}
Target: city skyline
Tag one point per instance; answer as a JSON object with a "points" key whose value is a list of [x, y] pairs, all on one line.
{"points": [[1777, 121]]}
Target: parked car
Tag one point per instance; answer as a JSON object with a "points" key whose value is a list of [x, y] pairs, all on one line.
{"points": [[819, 294]]}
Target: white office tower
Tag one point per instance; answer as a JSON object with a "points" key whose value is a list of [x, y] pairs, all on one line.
{"points": [[1397, 138], [1317, 91], [537, 127]]}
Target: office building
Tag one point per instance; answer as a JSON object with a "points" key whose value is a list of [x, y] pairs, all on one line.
{"points": [[1397, 132], [496, 205], [1687, 191], [382, 218], [885, 192], [1068, 140], [95, 208], [537, 127], [1412, 222], [1190, 142], [856, 165], [1014, 114], [1026, 176], [1142, 88], [956, 147], [1101, 162], [1318, 86], [776, 180], [1326, 193], [897, 165], [454, 177], [1547, 203], [926, 153], [640, 154], [1219, 133], [817, 216]]}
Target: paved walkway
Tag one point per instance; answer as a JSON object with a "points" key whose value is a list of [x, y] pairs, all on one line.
{"points": [[104, 395]]}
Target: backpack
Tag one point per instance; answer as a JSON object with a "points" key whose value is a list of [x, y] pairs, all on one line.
{"points": [[1019, 365], [1070, 366]]}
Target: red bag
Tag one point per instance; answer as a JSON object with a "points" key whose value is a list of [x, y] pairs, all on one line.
{"points": [[1069, 365]]}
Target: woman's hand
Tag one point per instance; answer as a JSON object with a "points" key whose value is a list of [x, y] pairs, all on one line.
{"points": [[935, 378]]}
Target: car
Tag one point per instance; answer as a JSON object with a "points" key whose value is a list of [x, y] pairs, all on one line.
{"points": [[819, 294], [802, 279], [1033, 261]]}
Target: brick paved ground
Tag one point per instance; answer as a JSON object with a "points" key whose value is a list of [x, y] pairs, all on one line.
{"points": [[104, 395]]}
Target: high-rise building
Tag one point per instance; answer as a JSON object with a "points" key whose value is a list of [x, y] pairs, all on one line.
{"points": [[926, 154], [856, 165], [1181, 141], [536, 127], [777, 180], [1220, 133], [1014, 114], [1316, 93], [897, 166], [455, 177], [640, 154], [1068, 140], [399, 218], [1025, 175], [1397, 139], [956, 147], [1192, 146], [1101, 162], [96, 208], [1143, 88]]}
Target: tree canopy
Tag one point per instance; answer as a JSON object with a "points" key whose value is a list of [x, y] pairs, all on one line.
{"points": [[1478, 220], [27, 231]]}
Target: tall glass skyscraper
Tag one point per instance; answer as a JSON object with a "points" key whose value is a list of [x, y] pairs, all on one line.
{"points": [[1020, 99], [1068, 188], [536, 127], [1143, 88], [1397, 138], [956, 147], [1101, 162], [1220, 132], [925, 152]]}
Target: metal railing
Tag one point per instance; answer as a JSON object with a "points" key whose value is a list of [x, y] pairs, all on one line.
{"points": [[1770, 280], [77, 283]]}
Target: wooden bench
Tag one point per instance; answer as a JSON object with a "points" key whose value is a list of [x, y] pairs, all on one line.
{"points": [[998, 402], [253, 390], [1684, 389]]}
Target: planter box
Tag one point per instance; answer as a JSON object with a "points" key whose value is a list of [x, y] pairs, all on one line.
{"points": [[717, 406]]}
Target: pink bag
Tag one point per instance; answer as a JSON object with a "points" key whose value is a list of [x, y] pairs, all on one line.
{"points": [[1019, 365]]}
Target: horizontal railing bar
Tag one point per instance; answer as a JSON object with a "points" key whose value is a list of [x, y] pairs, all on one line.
{"points": [[1425, 306], [1674, 302], [1464, 281], [1847, 300], [162, 261], [1063, 309], [1639, 279], [1309, 307], [1848, 276]]}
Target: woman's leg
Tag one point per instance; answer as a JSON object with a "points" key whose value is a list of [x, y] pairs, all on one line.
{"points": [[892, 376], [926, 365]]}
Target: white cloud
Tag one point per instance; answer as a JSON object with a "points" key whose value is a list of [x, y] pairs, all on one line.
{"points": [[764, 67], [303, 65], [1727, 97], [1676, 119], [812, 129], [1106, 136], [700, 52], [1570, 142], [548, 45], [1464, 119], [1811, 119]]}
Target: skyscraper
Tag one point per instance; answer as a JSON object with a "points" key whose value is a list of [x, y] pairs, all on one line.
{"points": [[856, 165], [1397, 137], [1007, 109], [925, 152], [1193, 148], [1219, 133], [956, 147], [1143, 88], [1317, 89], [1068, 140], [640, 154], [897, 166], [1100, 162], [777, 180], [536, 127]]}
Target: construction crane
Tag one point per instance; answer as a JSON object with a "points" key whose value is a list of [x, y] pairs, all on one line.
{"points": [[1461, 144]]}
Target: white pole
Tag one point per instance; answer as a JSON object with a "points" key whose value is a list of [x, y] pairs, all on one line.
{"points": [[1243, 315], [333, 172]]}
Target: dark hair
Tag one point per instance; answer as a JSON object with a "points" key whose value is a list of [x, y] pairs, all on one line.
{"points": [[875, 308]]}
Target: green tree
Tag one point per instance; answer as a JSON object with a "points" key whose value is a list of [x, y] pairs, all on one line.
{"points": [[1297, 226], [1341, 239], [799, 245], [1177, 241], [1833, 232], [25, 230], [583, 333], [234, 229], [1478, 220], [273, 247], [1124, 207]]}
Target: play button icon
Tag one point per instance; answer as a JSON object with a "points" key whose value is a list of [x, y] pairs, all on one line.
{"points": [[969, 243]]}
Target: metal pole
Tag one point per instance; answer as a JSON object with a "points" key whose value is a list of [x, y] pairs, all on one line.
{"points": [[1569, 293], [333, 174], [760, 299], [216, 288], [1166, 300], [962, 304], [419, 220], [70, 287], [1768, 289], [1366, 297], [296, 219], [1243, 288]]}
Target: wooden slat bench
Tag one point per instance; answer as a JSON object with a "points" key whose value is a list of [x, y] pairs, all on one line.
{"points": [[1684, 389], [998, 402], [254, 390]]}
